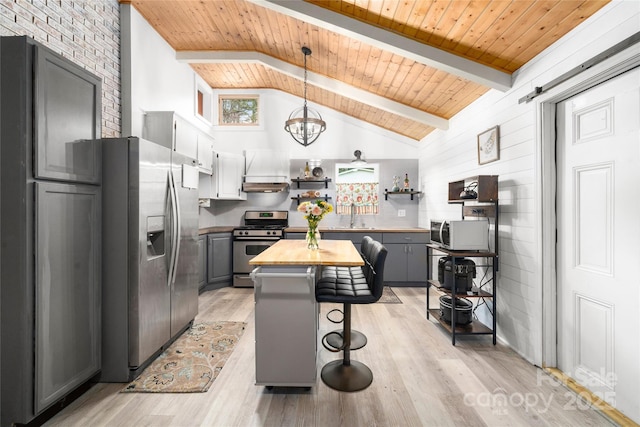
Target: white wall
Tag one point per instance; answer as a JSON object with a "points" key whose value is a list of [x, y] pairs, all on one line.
{"points": [[152, 80], [452, 155], [343, 136]]}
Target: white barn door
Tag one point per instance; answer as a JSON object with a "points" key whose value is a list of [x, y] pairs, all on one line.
{"points": [[598, 247]]}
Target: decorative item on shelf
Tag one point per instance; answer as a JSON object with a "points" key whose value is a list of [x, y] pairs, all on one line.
{"points": [[307, 171], [396, 181], [313, 213], [306, 129], [469, 191], [489, 145], [406, 182]]}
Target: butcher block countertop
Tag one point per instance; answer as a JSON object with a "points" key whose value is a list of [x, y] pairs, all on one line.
{"points": [[359, 230], [295, 252]]}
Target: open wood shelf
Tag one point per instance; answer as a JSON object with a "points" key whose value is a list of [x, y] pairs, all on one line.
{"points": [[473, 328], [410, 192], [326, 198], [486, 189], [462, 254], [440, 288], [324, 181]]}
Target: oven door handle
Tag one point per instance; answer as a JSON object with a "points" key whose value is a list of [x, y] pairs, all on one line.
{"points": [[257, 239]]}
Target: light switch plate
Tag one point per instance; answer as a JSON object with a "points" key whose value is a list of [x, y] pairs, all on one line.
{"points": [[402, 212]]}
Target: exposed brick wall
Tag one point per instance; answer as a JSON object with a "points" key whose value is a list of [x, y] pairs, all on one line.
{"points": [[85, 31]]}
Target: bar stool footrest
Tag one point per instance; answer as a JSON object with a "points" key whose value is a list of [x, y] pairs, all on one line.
{"points": [[358, 339]]}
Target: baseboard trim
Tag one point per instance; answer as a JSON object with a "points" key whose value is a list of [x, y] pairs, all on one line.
{"points": [[607, 410]]}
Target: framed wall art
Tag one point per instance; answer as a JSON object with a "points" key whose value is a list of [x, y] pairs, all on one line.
{"points": [[489, 145]]}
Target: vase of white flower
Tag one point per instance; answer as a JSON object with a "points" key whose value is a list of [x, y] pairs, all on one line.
{"points": [[313, 213]]}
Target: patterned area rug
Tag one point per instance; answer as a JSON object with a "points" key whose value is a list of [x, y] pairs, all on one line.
{"points": [[389, 297], [192, 362]]}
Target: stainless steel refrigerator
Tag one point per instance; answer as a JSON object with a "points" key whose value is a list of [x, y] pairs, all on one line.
{"points": [[150, 252]]}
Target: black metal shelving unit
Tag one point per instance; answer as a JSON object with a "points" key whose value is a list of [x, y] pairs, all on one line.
{"points": [[481, 202]]}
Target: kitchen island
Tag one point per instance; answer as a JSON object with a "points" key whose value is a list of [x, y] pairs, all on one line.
{"points": [[286, 313]]}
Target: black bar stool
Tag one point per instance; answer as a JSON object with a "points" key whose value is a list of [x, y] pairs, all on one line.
{"points": [[334, 339], [347, 374]]}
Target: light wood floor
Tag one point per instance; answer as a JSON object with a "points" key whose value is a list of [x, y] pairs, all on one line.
{"points": [[420, 379]]}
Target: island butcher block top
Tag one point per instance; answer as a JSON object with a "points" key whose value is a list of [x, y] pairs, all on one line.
{"points": [[295, 252]]}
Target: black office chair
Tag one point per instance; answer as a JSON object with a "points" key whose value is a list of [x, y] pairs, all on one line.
{"points": [[347, 374], [334, 339]]}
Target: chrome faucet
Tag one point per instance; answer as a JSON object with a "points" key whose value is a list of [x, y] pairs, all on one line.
{"points": [[352, 223]]}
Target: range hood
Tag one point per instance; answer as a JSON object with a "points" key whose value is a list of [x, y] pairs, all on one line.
{"points": [[266, 171], [265, 187]]}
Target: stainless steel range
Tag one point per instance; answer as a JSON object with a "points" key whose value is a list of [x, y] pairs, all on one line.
{"points": [[261, 229]]}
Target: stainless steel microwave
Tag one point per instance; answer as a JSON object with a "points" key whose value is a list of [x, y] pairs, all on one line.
{"points": [[461, 235]]}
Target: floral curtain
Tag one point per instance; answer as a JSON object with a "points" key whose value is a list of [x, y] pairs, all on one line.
{"points": [[362, 196]]}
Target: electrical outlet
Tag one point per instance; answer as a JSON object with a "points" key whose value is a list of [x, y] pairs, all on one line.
{"points": [[402, 212]]}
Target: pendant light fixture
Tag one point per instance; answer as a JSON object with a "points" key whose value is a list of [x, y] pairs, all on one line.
{"points": [[305, 124]]}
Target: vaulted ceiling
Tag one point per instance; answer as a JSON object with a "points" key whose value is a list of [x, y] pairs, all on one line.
{"points": [[407, 66]]}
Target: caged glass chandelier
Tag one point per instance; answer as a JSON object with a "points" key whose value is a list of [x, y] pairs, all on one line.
{"points": [[305, 125]]}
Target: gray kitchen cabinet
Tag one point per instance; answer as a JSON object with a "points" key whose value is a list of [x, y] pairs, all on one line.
{"points": [[296, 235], [286, 325], [406, 258], [65, 93], [202, 261], [50, 273], [219, 260], [67, 289]]}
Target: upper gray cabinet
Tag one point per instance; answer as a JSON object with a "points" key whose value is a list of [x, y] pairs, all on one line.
{"points": [[67, 107]]}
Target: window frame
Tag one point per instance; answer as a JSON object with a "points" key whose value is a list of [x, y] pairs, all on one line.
{"points": [[224, 97]]}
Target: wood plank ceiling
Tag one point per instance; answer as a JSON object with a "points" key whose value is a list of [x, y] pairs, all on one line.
{"points": [[372, 59]]}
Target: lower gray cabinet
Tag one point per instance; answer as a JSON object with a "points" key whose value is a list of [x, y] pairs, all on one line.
{"points": [[67, 290], [406, 258], [219, 260], [202, 261], [297, 235]]}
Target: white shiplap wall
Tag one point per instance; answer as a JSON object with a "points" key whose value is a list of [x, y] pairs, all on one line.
{"points": [[452, 155]]}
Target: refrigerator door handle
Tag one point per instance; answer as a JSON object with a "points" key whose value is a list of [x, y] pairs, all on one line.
{"points": [[178, 227], [172, 225]]}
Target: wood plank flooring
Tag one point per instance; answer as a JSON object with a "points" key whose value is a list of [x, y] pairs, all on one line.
{"points": [[420, 379]]}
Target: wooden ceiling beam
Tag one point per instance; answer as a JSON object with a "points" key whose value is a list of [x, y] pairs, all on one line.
{"points": [[387, 40], [332, 85]]}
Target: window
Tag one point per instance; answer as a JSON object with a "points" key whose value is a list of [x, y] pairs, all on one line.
{"points": [[204, 101], [238, 110]]}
